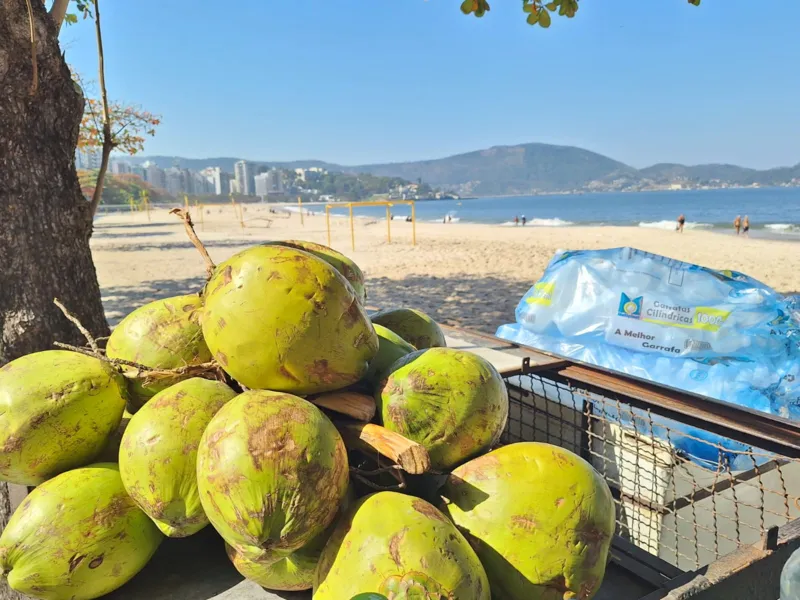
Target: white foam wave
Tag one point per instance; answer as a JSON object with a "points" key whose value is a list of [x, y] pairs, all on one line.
{"points": [[539, 223], [452, 220], [782, 227], [671, 225]]}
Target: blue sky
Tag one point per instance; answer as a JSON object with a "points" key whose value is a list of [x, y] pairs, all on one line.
{"points": [[360, 81]]}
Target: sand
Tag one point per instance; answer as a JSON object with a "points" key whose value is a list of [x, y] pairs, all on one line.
{"points": [[461, 274]]}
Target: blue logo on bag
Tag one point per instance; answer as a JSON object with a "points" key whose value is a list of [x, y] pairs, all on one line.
{"points": [[631, 308]]}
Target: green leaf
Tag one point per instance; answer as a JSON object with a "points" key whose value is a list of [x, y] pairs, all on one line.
{"points": [[369, 596], [544, 19], [695, 2], [533, 18], [468, 6], [551, 6], [70, 19], [529, 8]]}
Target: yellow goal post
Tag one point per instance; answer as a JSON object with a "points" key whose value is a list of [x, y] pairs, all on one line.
{"points": [[387, 203]]}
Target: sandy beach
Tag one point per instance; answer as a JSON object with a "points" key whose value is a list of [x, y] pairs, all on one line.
{"points": [[461, 274]]}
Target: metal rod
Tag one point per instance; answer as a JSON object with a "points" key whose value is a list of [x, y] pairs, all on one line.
{"points": [[328, 222], [352, 228], [300, 204], [743, 425], [413, 224]]}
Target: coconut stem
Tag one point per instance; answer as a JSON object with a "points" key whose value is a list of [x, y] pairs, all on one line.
{"points": [[147, 374], [79, 325], [189, 226]]}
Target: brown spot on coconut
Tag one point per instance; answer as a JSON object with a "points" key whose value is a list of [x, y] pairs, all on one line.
{"points": [[69, 544], [280, 330], [540, 518], [160, 335], [348, 269], [385, 543], [450, 413], [158, 461], [272, 471]]}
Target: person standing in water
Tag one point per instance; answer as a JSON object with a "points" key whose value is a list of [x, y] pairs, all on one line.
{"points": [[516, 221], [524, 220], [681, 223], [737, 224], [746, 226]]}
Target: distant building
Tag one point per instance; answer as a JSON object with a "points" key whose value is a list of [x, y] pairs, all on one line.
{"points": [[219, 180], [270, 182], [120, 168], [88, 158], [245, 177], [301, 174], [234, 185], [139, 170], [154, 175], [174, 181]]}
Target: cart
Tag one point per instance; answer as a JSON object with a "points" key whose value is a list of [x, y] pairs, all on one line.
{"points": [[684, 530]]}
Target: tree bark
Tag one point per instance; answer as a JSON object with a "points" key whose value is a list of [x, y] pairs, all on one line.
{"points": [[45, 223]]}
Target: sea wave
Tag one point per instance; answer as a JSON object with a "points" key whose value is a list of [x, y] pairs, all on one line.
{"points": [[541, 223], [788, 228], [671, 225], [452, 220]]}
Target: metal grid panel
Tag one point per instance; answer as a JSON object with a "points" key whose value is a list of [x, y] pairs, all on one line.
{"points": [[687, 507]]}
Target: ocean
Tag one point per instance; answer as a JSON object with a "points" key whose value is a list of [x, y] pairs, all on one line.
{"points": [[773, 212]]}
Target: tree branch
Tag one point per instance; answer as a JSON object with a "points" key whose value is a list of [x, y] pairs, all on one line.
{"points": [[108, 142], [59, 11]]}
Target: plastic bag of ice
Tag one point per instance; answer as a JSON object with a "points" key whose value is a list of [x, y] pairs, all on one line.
{"points": [[720, 334]]}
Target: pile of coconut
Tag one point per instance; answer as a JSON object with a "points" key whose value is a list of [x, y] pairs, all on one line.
{"points": [[331, 449]]}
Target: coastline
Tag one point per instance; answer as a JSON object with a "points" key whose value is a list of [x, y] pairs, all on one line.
{"points": [[465, 274]]}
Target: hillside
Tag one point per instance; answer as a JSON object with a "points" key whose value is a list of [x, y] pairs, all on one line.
{"points": [[535, 168]]}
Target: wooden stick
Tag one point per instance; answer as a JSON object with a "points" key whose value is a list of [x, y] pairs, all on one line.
{"points": [[358, 406], [189, 226], [412, 457], [79, 325]]}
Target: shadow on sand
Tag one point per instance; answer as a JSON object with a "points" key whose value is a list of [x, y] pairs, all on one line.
{"points": [[480, 303]]}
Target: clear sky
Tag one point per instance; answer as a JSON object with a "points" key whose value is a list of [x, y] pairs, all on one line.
{"points": [[361, 81]]}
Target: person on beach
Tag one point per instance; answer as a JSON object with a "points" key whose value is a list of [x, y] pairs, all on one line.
{"points": [[524, 220], [681, 223], [737, 224], [516, 221], [746, 226]]}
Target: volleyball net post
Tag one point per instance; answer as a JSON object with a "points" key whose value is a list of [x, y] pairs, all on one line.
{"points": [[388, 204]]}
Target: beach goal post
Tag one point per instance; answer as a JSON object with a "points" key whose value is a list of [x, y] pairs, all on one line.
{"points": [[387, 204]]}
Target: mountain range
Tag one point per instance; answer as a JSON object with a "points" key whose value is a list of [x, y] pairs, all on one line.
{"points": [[530, 169]]}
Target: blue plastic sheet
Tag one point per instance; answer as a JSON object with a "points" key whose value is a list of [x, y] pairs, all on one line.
{"points": [[721, 334]]}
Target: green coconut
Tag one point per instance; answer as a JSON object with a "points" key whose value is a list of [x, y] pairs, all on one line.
{"points": [[391, 347], [402, 547], [57, 409], [158, 456], [164, 334], [414, 326], [77, 536], [337, 260], [282, 319], [272, 471], [280, 571], [540, 518], [452, 402]]}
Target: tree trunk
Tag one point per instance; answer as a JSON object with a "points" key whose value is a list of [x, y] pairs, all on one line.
{"points": [[45, 223]]}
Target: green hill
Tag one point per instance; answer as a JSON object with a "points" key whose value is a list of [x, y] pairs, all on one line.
{"points": [[534, 168]]}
